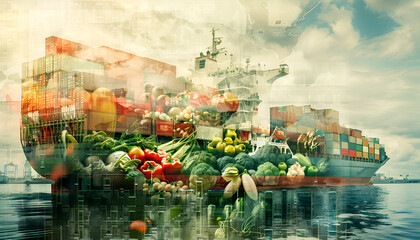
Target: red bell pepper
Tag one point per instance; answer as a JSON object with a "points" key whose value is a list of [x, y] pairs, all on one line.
{"points": [[171, 165], [151, 169], [157, 157]]}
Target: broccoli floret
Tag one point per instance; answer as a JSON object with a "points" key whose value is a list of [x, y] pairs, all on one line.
{"points": [[240, 168], [204, 169], [223, 161], [267, 174], [245, 160], [204, 157], [196, 158], [206, 173], [269, 168]]}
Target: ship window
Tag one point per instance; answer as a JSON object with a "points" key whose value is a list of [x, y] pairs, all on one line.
{"points": [[202, 64]]}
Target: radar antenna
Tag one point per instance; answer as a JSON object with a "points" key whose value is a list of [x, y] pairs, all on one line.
{"points": [[215, 42]]}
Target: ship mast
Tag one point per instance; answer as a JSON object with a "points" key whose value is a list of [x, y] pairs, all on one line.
{"points": [[215, 42]]}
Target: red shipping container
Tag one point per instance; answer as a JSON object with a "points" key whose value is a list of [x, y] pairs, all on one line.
{"points": [[344, 130], [356, 133], [345, 152], [56, 45], [352, 153], [164, 128], [273, 112]]}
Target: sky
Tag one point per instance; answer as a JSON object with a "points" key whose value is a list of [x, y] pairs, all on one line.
{"points": [[360, 57]]}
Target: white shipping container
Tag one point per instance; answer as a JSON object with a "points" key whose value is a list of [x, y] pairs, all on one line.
{"points": [[377, 151], [306, 109], [49, 63], [30, 70], [329, 113], [376, 145], [72, 64], [330, 120], [335, 145], [359, 141], [344, 145], [371, 144], [41, 65], [333, 151], [352, 139], [365, 149], [332, 137]]}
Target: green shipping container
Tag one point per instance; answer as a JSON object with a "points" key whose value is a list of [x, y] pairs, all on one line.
{"points": [[359, 147]]}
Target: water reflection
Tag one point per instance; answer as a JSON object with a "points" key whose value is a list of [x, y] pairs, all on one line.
{"points": [[87, 210]]}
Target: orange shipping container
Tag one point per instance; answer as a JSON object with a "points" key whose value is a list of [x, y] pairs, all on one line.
{"points": [[376, 156], [355, 133], [344, 130], [359, 154], [371, 150], [334, 128], [365, 155], [365, 141]]}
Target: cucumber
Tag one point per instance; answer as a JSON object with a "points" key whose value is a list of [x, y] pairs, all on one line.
{"points": [[303, 161]]}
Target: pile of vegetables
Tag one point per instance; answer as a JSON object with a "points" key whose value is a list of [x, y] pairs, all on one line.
{"points": [[230, 145]]}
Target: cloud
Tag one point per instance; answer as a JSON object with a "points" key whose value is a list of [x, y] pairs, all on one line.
{"points": [[395, 45], [402, 42], [330, 66]]}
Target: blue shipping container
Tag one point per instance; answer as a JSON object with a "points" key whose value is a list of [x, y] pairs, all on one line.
{"points": [[344, 137], [371, 156], [277, 123]]}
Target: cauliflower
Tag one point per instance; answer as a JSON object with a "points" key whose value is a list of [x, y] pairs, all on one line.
{"points": [[296, 170]]}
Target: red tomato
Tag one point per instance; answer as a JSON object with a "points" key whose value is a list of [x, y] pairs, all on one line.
{"points": [[136, 152], [139, 226]]}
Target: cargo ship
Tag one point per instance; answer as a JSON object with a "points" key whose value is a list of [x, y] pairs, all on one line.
{"points": [[79, 89]]}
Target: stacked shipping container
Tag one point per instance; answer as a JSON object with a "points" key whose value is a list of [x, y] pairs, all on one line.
{"points": [[335, 139], [56, 88]]}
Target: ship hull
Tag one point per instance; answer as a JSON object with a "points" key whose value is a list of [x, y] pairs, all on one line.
{"points": [[51, 162], [351, 169]]}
